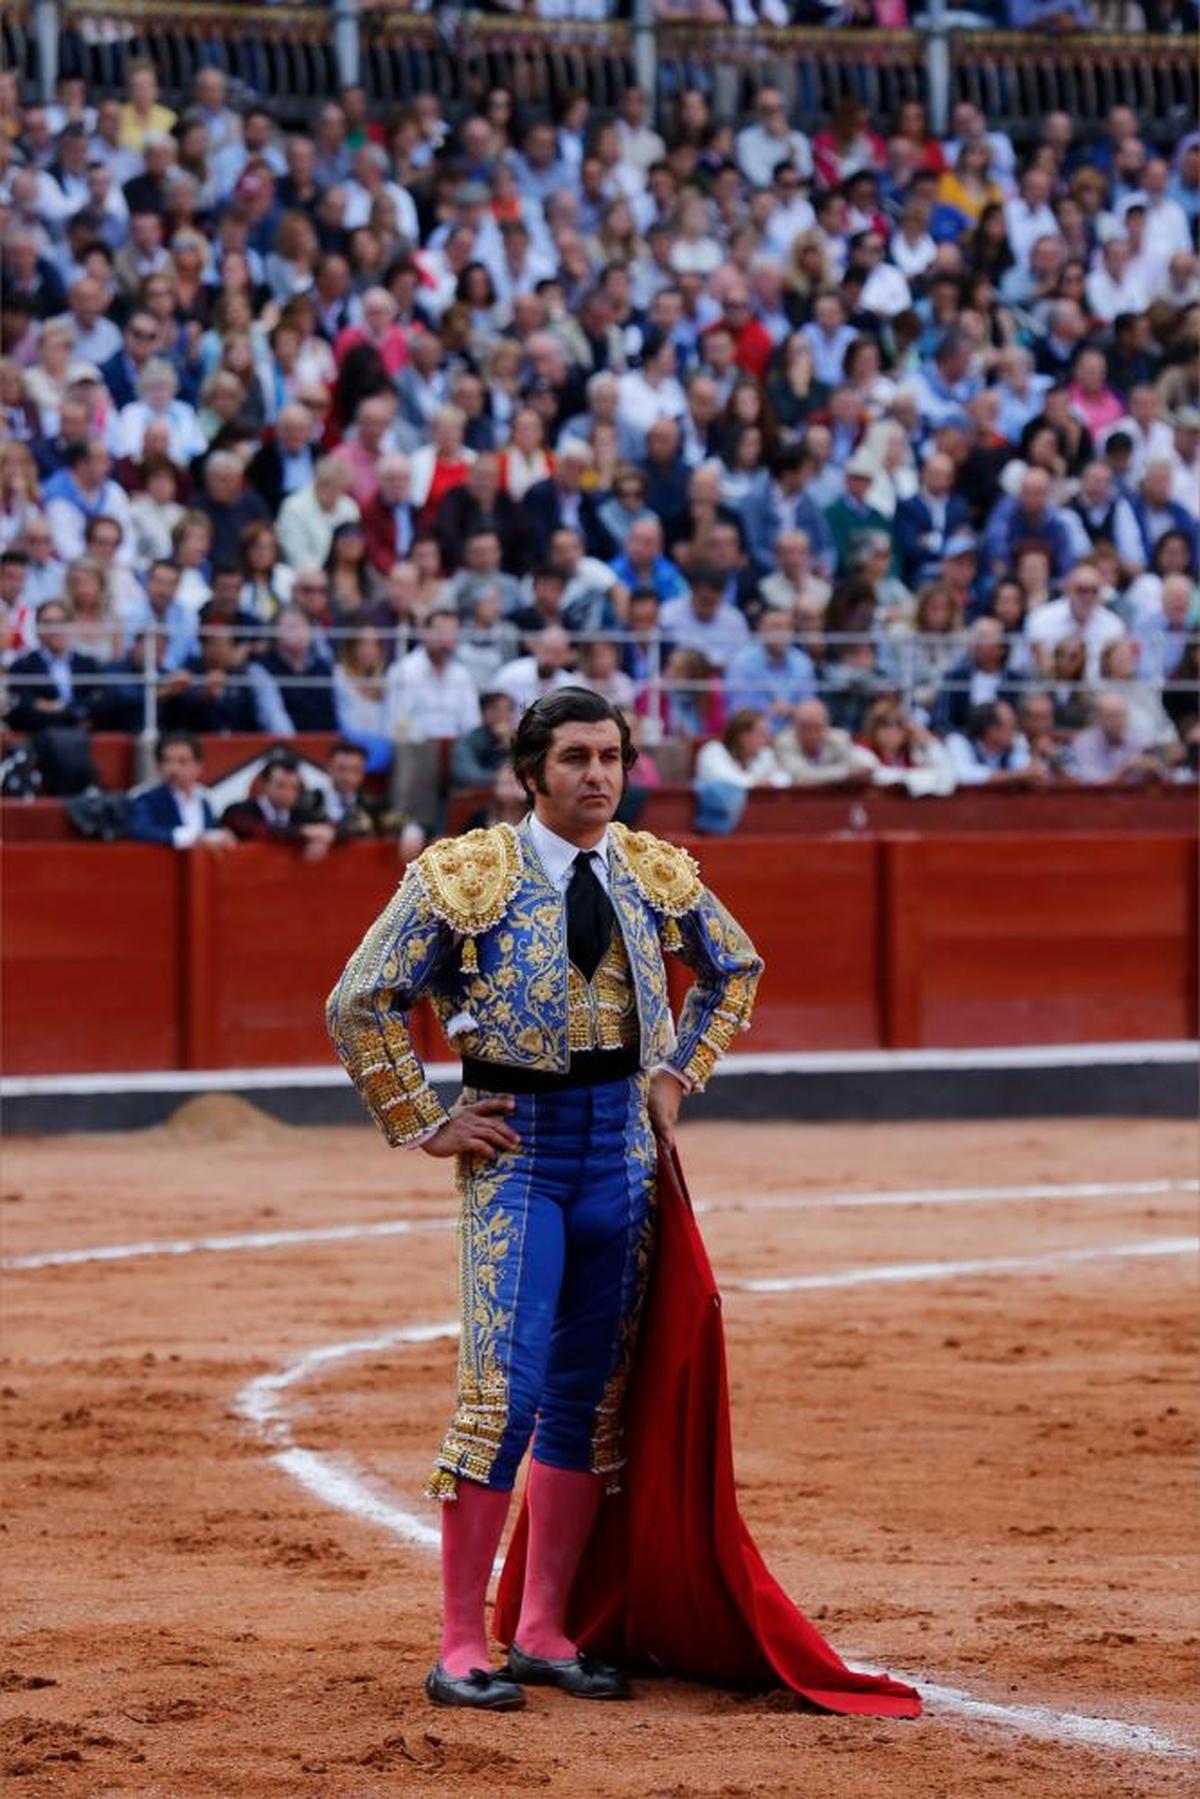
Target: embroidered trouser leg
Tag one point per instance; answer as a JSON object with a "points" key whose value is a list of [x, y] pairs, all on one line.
{"points": [[555, 1242]]}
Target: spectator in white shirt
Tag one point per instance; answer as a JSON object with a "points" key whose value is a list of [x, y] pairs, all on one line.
{"points": [[830, 336], [1110, 752], [529, 677], [651, 392], [1115, 286], [309, 517], [1166, 228], [912, 248], [1078, 614], [791, 214], [158, 402], [743, 755], [885, 292], [1146, 429], [640, 145], [430, 694], [1029, 216], [761, 147]]}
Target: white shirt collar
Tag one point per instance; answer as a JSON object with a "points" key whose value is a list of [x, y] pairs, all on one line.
{"points": [[557, 856]]}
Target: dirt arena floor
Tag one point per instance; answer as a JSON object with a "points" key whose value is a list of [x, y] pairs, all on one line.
{"points": [[979, 1477]]}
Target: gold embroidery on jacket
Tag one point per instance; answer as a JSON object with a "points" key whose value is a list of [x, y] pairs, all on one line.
{"points": [[471, 879], [486, 1242], [602, 1012]]}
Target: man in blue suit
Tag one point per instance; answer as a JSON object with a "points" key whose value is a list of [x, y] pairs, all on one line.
{"points": [[177, 811], [142, 339], [925, 523]]}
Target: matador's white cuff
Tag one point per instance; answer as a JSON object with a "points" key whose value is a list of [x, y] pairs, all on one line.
{"points": [[685, 1080]]}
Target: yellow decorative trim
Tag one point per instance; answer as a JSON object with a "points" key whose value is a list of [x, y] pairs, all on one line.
{"points": [[666, 876], [470, 881]]}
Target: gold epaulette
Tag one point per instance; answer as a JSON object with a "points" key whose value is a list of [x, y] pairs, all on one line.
{"points": [[470, 880], [668, 878]]}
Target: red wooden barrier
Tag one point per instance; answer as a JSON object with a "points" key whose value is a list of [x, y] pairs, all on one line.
{"points": [[1038, 939], [92, 964], [126, 957]]}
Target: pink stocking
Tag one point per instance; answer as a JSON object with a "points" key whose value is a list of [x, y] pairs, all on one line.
{"points": [[471, 1529], [562, 1509]]}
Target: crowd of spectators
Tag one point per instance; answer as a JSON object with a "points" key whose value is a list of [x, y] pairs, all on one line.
{"points": [[838, 455]]}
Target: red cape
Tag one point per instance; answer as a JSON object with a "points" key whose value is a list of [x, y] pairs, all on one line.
{"points": [[671, 1582]]}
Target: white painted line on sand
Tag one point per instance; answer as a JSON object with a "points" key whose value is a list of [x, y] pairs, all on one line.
{"points": [[751, 1062], [248, 1240], [397, 1227], [334, 1481], [1048, 1724], [955, 1196], [897, 1272]]}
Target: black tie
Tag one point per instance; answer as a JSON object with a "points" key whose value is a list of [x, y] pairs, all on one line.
{"points": [[589, 916]]}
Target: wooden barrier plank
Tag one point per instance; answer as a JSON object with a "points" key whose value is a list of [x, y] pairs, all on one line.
{"points": [[812, 911], [91, 958], [1039, 939], [278, 933]]}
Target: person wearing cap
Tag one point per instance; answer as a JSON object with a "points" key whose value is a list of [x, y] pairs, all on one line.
{"points": [[925, 523], [541, 947], [852, 515]]}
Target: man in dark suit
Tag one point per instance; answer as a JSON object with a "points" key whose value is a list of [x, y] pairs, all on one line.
{"points": [[561, 501], [979, 678], [278, 811], [177, 811], [217, 695], [285, 462], [54, 684], [141, 340], [478, 505], [352, 812], [925, 523]]}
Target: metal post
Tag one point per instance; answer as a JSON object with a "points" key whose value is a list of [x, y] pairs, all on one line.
{"points": [[937, 67], [645, 55], [345, 41], [144, 751], [45, 31]]}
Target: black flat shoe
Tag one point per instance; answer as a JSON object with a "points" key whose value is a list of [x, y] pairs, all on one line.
{"points": [[486, 1689], [580, 1675]]}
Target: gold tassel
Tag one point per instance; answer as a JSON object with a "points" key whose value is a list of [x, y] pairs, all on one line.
{"points": [[442, 1485], [470, 956], [671, 938]]}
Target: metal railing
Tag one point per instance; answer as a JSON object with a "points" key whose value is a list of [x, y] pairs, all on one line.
{"points": [[299, 52], [909, 666]]}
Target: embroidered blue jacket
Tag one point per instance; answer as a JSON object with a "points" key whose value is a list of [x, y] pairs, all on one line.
{"points": [[478, 927]]}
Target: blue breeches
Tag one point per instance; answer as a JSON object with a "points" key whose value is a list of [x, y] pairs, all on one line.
{"points": [[555, 1243]]}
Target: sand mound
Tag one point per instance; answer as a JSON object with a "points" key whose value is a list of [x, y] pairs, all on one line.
{"points": [[222, 1118]]}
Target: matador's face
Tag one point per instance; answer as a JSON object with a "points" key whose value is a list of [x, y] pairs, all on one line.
{"points": [[582, 780]]}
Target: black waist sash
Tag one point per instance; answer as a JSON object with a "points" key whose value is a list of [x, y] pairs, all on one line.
{"points": [[589, 1068]]}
